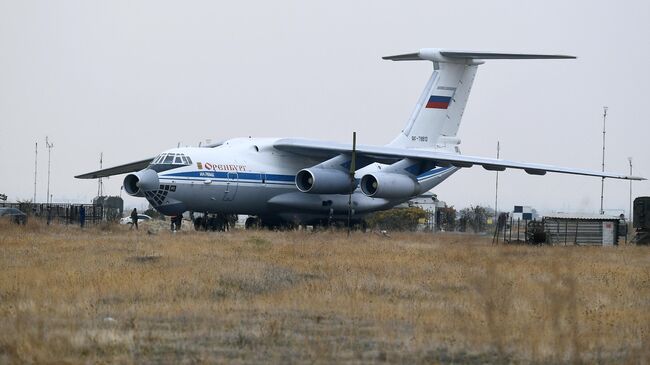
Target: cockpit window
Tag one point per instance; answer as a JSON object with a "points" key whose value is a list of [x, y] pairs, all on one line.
{"points": [[177, 159]]}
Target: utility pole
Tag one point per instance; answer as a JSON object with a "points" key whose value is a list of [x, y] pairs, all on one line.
{"points": [[35, 170], [353, 170], [602, 181], [100, 184], [496, 189], [629, 217], [49, 154]]}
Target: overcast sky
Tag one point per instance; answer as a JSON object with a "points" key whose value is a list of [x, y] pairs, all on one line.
{"points": [[132, 78]]}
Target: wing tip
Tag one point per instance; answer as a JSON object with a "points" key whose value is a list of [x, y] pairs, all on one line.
{"points": [[86, 176], [403, 57]]}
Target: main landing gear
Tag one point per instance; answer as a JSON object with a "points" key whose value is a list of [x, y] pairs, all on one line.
{"points": [[269, 223], [215, 222]]}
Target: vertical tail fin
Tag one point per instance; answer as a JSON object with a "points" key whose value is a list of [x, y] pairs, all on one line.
{"points": [[437, 115], [440, 108]]}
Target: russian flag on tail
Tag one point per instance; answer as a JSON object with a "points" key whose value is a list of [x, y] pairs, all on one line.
{"points": [[438, 102]]}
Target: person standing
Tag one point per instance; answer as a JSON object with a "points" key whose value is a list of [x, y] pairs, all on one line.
{"points": [[134, 218], [82, 216]]}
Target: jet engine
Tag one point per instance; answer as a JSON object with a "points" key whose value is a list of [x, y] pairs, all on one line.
{"points": [[137, 183], [389, 185], [323, 181]]}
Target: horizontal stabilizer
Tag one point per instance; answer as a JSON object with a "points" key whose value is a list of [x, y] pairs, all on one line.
{"points": [[441, 55], [503, 56]]}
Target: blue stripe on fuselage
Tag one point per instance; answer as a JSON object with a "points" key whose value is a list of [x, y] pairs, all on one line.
{"points": [[240, 175], [256, 176], [432, 172]]}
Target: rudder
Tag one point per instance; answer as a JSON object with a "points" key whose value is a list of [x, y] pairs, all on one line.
{"points": [[440, 108]]}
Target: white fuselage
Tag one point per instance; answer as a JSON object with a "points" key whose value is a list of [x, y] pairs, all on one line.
{"points": [[249, 176]]}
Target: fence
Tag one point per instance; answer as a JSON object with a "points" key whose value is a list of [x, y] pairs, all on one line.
{"points": [[60, 213], [559, 231], [510, 230]]}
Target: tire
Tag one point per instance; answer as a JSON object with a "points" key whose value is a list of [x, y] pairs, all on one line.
{"points": [[251, 223], [198, 224]]}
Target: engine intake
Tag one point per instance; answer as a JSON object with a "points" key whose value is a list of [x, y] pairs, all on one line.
{"points": [[137, 183], [389, 185], [323, 181]]}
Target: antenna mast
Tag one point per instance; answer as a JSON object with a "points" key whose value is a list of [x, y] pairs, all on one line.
{"points": [[629, 213], [496, 189], [100, 184], [35, 170], [49, 153], [602, 181]]}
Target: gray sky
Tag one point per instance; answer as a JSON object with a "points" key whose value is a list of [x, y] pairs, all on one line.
{"points": [[132, 78]]}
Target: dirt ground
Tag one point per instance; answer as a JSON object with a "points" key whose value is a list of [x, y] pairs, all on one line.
{"points": [[113, 295]]}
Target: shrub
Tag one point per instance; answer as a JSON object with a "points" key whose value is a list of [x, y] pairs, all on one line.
{"points": [[397, 219]]}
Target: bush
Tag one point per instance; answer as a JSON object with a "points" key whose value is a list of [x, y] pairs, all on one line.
{"points": [[397, 219], [473, 219]]}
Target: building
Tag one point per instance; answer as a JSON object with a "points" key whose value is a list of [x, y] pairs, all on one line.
{"points": [[583, 229]]}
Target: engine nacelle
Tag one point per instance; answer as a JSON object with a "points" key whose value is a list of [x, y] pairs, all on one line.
{"points": [[137, 183], [323, 181], [389, 185]]}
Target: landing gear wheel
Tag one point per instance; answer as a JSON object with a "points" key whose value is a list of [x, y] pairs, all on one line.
{"points": [[252, 223], [198, 224]]}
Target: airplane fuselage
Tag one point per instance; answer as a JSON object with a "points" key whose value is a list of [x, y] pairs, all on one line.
{"points": [[249, 176]]}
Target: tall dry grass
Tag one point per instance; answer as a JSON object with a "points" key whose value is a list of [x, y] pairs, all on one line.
{"points": [[109, 294]]}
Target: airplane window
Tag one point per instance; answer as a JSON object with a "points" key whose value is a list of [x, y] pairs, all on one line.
{"points": [[172, 159]]}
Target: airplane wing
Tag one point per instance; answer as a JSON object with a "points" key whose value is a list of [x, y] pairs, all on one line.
{"points": [[384, 154], [117, 170], [129, 167]]}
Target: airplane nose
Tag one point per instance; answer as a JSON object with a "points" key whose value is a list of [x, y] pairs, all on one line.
{"points": [[137, 183]]}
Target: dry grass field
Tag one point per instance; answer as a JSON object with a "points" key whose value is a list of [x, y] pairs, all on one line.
{"points": [[110, 295]]}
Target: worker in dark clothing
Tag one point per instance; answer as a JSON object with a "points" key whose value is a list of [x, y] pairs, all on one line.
{"points": [[179, 221], [176, 221], [82, 216], [134, 218]]}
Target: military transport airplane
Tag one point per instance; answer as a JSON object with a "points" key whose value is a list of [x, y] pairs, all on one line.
{"points": [[307, 181]]}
